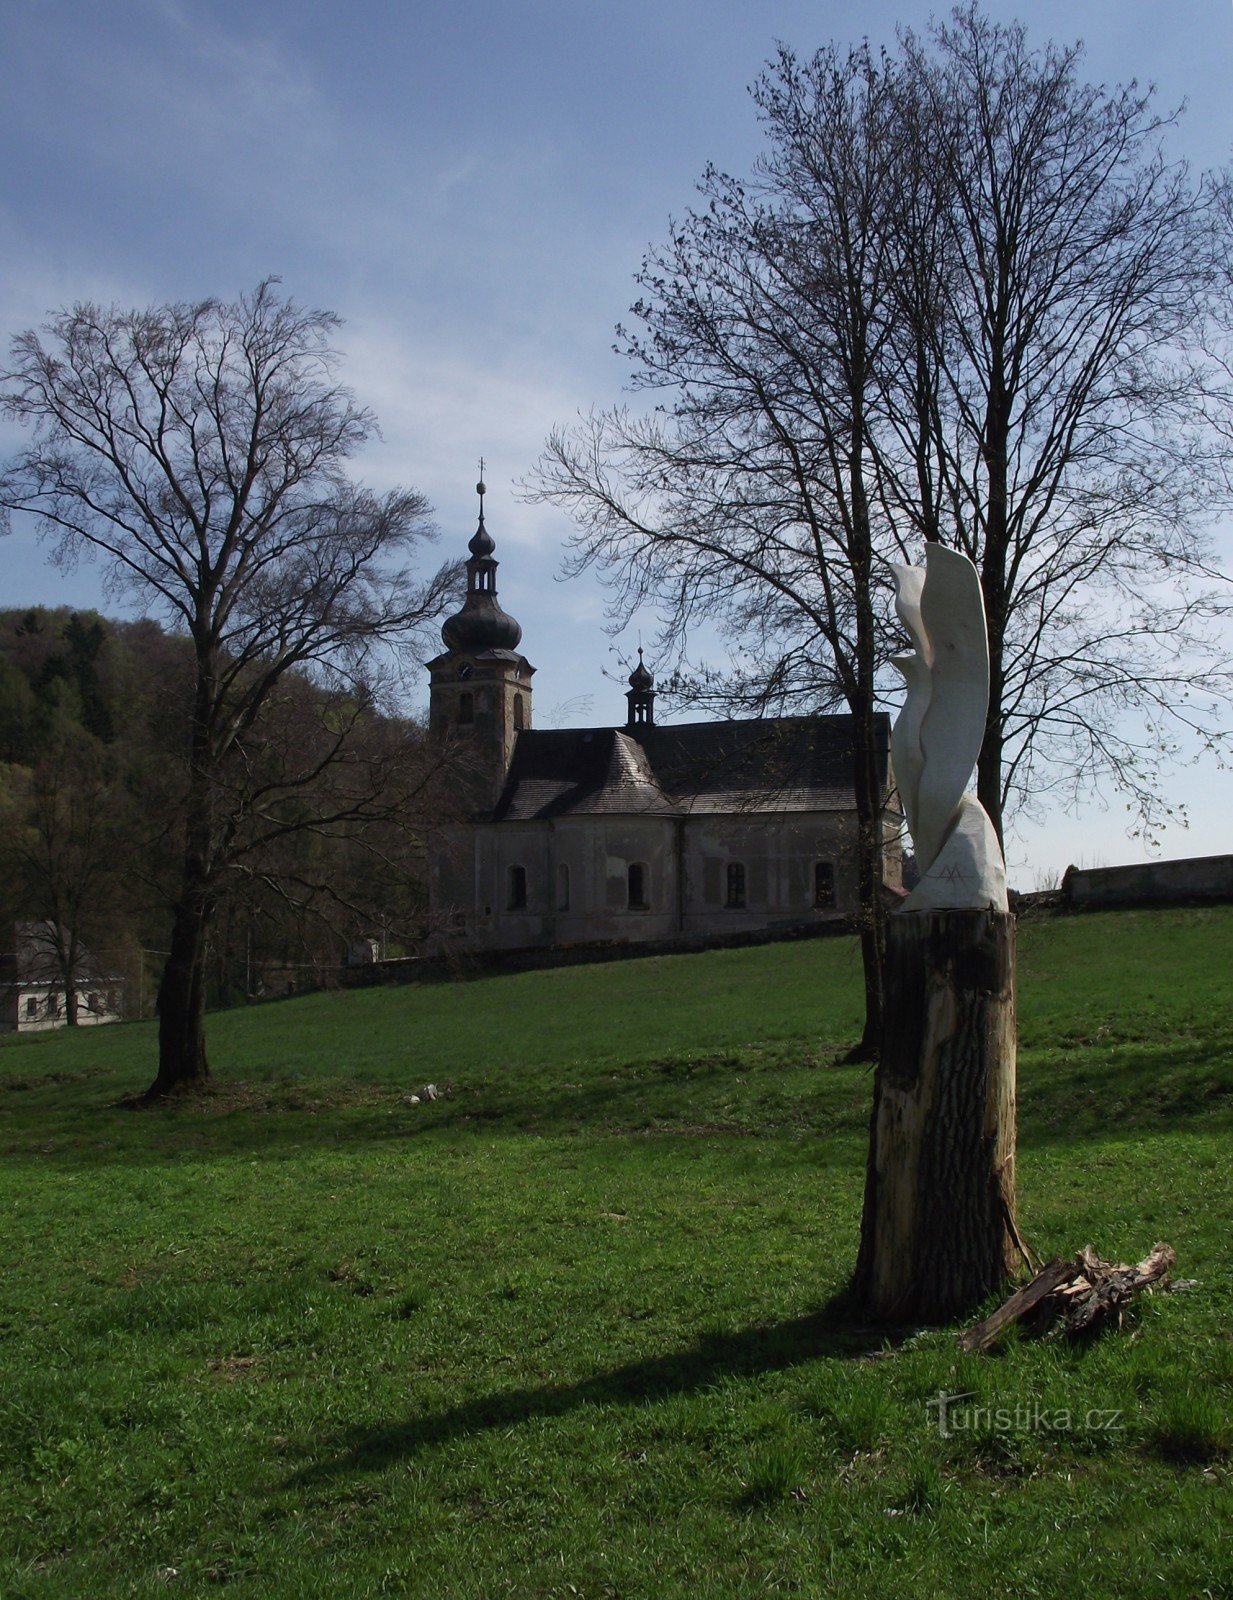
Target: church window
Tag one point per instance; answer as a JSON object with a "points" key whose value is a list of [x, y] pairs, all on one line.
{"points": [[518, 711], [736, 883], [562, 887], [823, 884], [638, 886], [517, 888], [466, 708]]}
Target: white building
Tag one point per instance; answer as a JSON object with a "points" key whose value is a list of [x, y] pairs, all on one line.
{"points": [[34, 993]]}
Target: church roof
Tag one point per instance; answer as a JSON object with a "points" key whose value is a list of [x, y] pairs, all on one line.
{"points": [[773, 764], [560, 772]]}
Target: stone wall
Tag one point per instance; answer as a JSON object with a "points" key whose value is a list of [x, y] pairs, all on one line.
{"points": [[1197, 880]]}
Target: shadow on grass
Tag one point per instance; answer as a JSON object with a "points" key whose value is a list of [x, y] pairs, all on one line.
{"points": [[764, 1093], [833, 1331], [1139, 1088], [1132, 1089]]}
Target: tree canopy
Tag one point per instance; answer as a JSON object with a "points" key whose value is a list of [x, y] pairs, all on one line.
{"points": [[201, 449], [965, 296]]}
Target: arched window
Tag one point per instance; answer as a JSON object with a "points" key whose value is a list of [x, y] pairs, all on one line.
{"points": [[823, 884], [518, 711], [562, 887], [736, 883], [517, 889], [466, 707], [638, 900]]}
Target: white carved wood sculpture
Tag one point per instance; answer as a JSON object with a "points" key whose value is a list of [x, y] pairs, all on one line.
{"points": [[938, 733]]}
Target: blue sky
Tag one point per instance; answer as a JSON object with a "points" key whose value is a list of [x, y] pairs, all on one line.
{"points": [[471, 186]]}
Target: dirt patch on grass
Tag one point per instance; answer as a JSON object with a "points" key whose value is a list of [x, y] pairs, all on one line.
{"points": [[233, 1368], [691, 1130], [47, 1080], [259, 1099]]}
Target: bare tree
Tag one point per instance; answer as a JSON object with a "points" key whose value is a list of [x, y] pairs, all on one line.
{"points": [[1051, 403], [201, 449], [961, 298], [751, 497]]}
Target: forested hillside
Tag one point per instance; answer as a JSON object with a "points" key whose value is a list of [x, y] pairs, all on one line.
{"points": [[93, 715]]}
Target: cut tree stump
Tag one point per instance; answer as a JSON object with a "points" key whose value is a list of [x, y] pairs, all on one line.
{"points": [[938, 1232]]}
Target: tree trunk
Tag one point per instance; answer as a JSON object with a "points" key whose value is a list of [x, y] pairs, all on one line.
{"points": [[995, 574], [867, 790], [938, 1231], [182, 1060], [70, 962], [870, 910]]}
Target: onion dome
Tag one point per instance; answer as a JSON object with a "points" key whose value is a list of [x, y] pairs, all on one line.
{"points": [[640, 696], [482, 543], [481, 624], [640, 678]]}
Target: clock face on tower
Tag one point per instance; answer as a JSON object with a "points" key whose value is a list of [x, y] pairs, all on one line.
{"points": [[465, 671]]}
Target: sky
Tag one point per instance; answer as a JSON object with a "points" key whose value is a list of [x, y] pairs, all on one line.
{"points": [[471, 187]]}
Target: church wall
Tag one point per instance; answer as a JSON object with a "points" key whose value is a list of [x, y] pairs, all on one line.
{"points": [[574, 873], [599, 852], [777, 885], [502, 852], [474, 876]]}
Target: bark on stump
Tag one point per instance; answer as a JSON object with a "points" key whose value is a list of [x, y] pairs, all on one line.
{"points": [[938, 1232]]}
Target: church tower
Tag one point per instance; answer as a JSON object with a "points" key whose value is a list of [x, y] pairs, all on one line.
{"points": [[480, 692]]}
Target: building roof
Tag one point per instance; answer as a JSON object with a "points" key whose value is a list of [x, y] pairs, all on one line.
{"points": [[559, 772], [773, 764], [31, 959]]}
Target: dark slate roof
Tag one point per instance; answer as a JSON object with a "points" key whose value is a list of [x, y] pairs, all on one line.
{"points": [[560, 772], [773, 764], [31, 959]]}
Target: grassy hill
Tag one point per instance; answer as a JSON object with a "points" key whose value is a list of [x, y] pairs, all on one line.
{"points": [[567, 1328]]}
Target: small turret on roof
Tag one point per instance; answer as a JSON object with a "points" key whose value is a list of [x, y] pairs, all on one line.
{"points": [[641, 696]]}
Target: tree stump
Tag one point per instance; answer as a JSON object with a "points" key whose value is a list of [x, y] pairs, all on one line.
{"points": [[938, 1232]]}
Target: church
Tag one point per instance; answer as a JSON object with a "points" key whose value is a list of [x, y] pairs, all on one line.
{"points": [[642, 833]]}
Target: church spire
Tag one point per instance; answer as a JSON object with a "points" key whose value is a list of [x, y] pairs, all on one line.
{"points": [[482, 543], [481, 624]]}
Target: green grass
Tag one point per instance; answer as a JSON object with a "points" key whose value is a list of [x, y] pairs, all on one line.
{"points": [[571, 1328]]}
